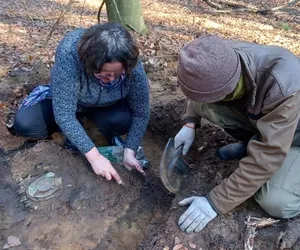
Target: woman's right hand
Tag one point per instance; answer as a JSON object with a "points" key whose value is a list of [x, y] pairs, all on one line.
{"points": [[102, 166]]}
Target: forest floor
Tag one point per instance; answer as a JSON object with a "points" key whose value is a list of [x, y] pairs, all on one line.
{"points": [[91, 213]]}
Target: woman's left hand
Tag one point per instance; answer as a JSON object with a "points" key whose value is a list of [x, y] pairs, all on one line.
{"points": [[131, 162]]}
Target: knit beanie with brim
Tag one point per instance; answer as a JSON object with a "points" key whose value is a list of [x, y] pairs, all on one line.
{"points": [[208, 69]]}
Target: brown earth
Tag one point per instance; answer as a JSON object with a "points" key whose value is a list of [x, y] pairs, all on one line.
{"points": [[91, 213]]}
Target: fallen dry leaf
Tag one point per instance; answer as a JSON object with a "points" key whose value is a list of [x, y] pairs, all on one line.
{"points": [[176, 241], [12, 241], [2, 105], [179, 247], [192, 245], [166, 248], [39, 147], [18, 91]]}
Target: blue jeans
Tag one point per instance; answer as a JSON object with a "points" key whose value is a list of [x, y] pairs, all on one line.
{"points": [[38, 121]]}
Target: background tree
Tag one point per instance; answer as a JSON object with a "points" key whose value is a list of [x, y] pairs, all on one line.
{"points": [[127, 12]]}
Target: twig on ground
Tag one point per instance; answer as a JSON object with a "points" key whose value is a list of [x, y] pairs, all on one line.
{"points": [[288, 4], [60, 17], [82, 9], [280, 243], [34, 18], [230, 6], [213, 4], [252, 224], [260, 222], [166, 56], [142, 232], [26, 9], [99, 11]]}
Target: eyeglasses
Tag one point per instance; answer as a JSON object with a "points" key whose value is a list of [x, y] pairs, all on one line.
{"points": [[108, 77]]}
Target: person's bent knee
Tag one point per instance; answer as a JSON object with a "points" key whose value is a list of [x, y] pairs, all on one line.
{"points": [[272, 207], [278, 202], [28, 128], [120, 122], [126, 123]]}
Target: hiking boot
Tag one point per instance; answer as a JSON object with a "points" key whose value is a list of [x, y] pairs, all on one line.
{"points": [[232, 151], [9, 123]]}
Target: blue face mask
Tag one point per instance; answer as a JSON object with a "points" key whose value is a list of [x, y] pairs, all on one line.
{"points": [[114, 83]]}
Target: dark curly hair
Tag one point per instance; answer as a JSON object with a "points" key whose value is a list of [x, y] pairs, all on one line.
{"points": [[108, 42]]}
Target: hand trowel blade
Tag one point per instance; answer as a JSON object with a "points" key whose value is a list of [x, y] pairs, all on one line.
{"points": [[172, 167]]}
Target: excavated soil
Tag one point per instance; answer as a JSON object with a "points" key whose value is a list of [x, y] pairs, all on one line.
{"points": [[90, 212]]}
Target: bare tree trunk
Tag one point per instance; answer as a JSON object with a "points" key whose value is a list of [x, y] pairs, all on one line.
{"points": [[127, 12]]}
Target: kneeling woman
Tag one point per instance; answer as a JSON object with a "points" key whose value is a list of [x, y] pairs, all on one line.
{"points": [[96, 72]]}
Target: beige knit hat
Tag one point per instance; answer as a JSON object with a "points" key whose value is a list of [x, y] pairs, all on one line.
{"points": [[208, 69]]}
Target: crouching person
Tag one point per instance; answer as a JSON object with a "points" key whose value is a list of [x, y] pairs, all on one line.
{"points": [[96, 73], [253, 92]]}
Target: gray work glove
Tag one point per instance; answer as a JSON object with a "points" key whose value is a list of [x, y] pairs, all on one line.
{"points": [[199, 213], [184, 137]]}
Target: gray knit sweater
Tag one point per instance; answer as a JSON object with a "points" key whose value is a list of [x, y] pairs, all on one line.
{"points": [[72, 89]]}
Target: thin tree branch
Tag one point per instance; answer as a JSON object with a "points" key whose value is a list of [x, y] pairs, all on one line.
{"points": [[288, 4], [230, 6], [60, 17], [25, 7], [99, 11], [82, 9], [237, 5], [34, 18], [213, 4]]}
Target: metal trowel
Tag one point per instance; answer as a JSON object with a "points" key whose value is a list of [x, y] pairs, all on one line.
{"points": [[172, 168]]}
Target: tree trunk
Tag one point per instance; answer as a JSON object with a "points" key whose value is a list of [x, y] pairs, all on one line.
{"points": [[127, 12]]}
